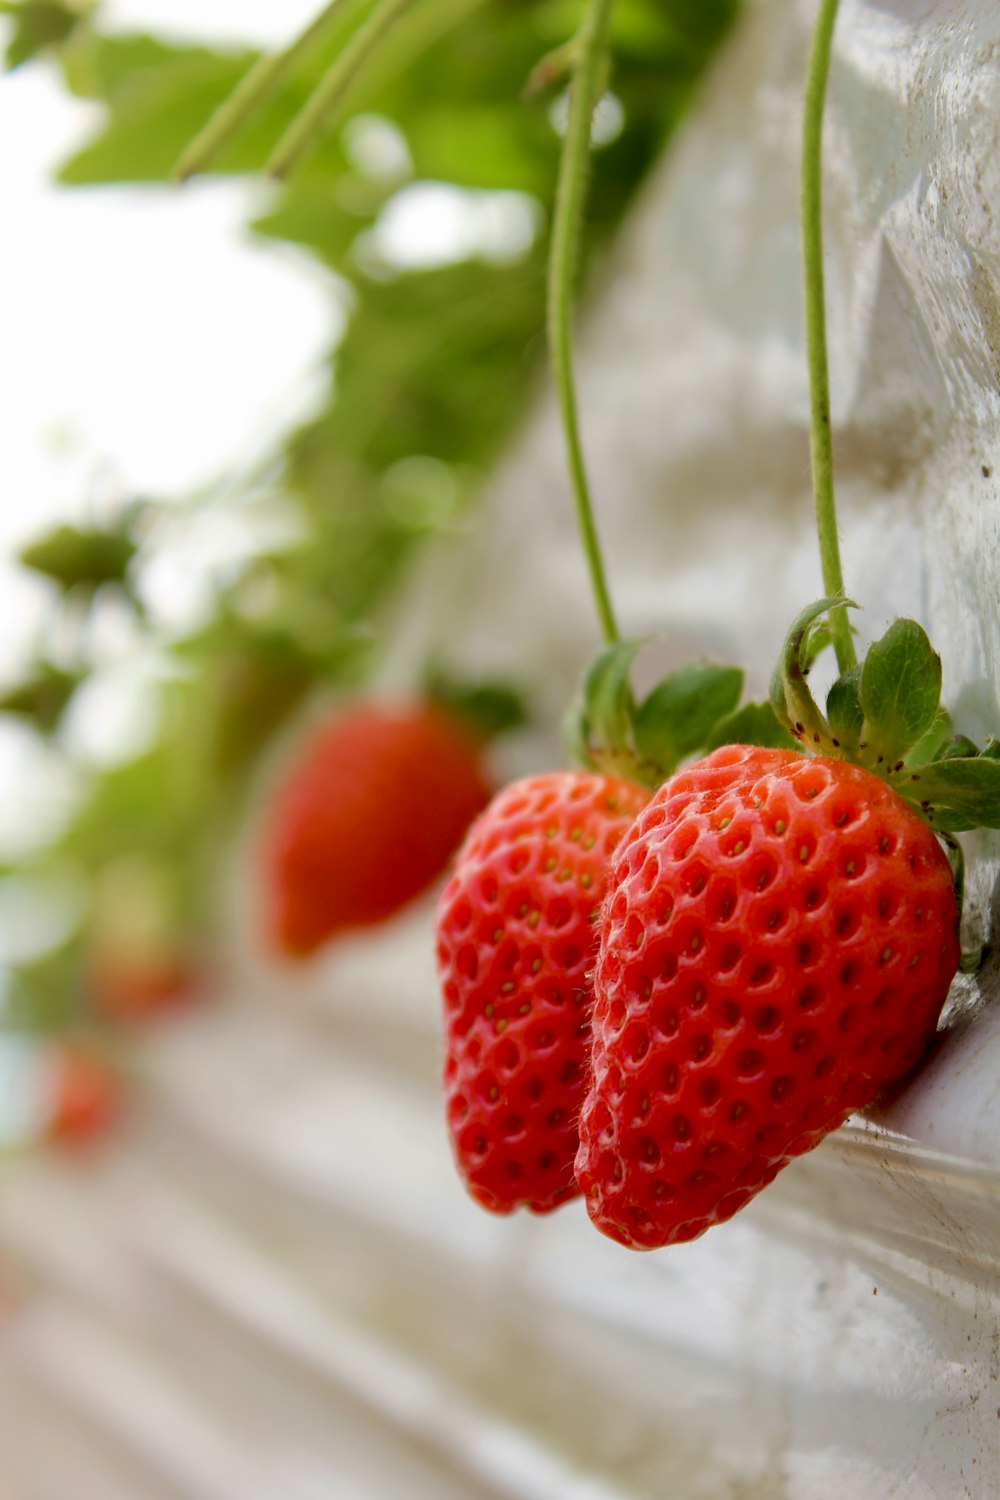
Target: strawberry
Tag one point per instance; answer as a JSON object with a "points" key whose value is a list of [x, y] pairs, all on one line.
{"points": [[139, 961], [365, 819], [516, 947], [83, 1099], [775, 950], [138, 988]]}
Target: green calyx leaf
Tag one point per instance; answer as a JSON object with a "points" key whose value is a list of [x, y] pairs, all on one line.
{"points": [[900, 692], [600, 731], [791, 698], [959, 747], [753, 724], [844, 713], [957, 794], [933, 743], [682, 711], [485, 709]]}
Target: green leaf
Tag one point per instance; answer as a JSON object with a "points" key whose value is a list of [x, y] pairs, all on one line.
{"points": [[959, 747], [843, 707], [753, 724], [155, 109], [74, 557], [931, 744], [487, 709], [680, 713], [900, 689], [42, 697], [791, 698], [962, 793], [608, 706], [38, 25]]}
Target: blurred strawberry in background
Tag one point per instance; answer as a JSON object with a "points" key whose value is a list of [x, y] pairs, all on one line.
{"points": [[83, 1099], [366, 818], [138, 965]]}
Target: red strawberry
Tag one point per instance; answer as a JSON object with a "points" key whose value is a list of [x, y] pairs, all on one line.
{"points": [[84, 1097], [134, 988], [775, 951], [366, 818], [516, 947]]}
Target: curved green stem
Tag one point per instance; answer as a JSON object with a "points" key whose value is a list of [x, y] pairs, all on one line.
{"points": [[261, 80], [314, 118], [590, 50], [815, 317]]}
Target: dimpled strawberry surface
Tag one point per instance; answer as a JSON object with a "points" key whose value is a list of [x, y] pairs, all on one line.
{"points": [[516, 950], [775, 950]]}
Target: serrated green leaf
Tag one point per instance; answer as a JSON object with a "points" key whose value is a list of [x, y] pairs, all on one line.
{"points": [[991, 750], [753, 724], [900, 689], [966, 790], [680, 713], [843, 707]]}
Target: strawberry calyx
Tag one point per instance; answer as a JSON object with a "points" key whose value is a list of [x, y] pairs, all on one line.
{"points": [[886, 716], [689, 712]]}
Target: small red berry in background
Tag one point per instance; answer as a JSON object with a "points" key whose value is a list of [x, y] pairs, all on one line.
{"points": [[133, 989], [365, 819], [83, 1095], [139, 961], [776, 950], [516, 948]]}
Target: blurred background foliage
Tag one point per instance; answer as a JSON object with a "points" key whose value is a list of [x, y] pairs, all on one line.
{"points": [[433, 369]]}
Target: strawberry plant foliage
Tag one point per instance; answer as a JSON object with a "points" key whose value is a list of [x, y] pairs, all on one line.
{"points": [[434, 363]]}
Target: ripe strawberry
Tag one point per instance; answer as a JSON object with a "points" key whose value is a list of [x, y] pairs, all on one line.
{"points": [[139, 961], [775, 951], [83, 1098], [516, 947], [365, 819]]}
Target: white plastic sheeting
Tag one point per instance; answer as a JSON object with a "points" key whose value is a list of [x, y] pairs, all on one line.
{"points": [[274, 1287]]}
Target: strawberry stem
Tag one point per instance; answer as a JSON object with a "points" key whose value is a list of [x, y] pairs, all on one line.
{"points": [[253, 88], [815, 318], [327, 98], [585, 90]]}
